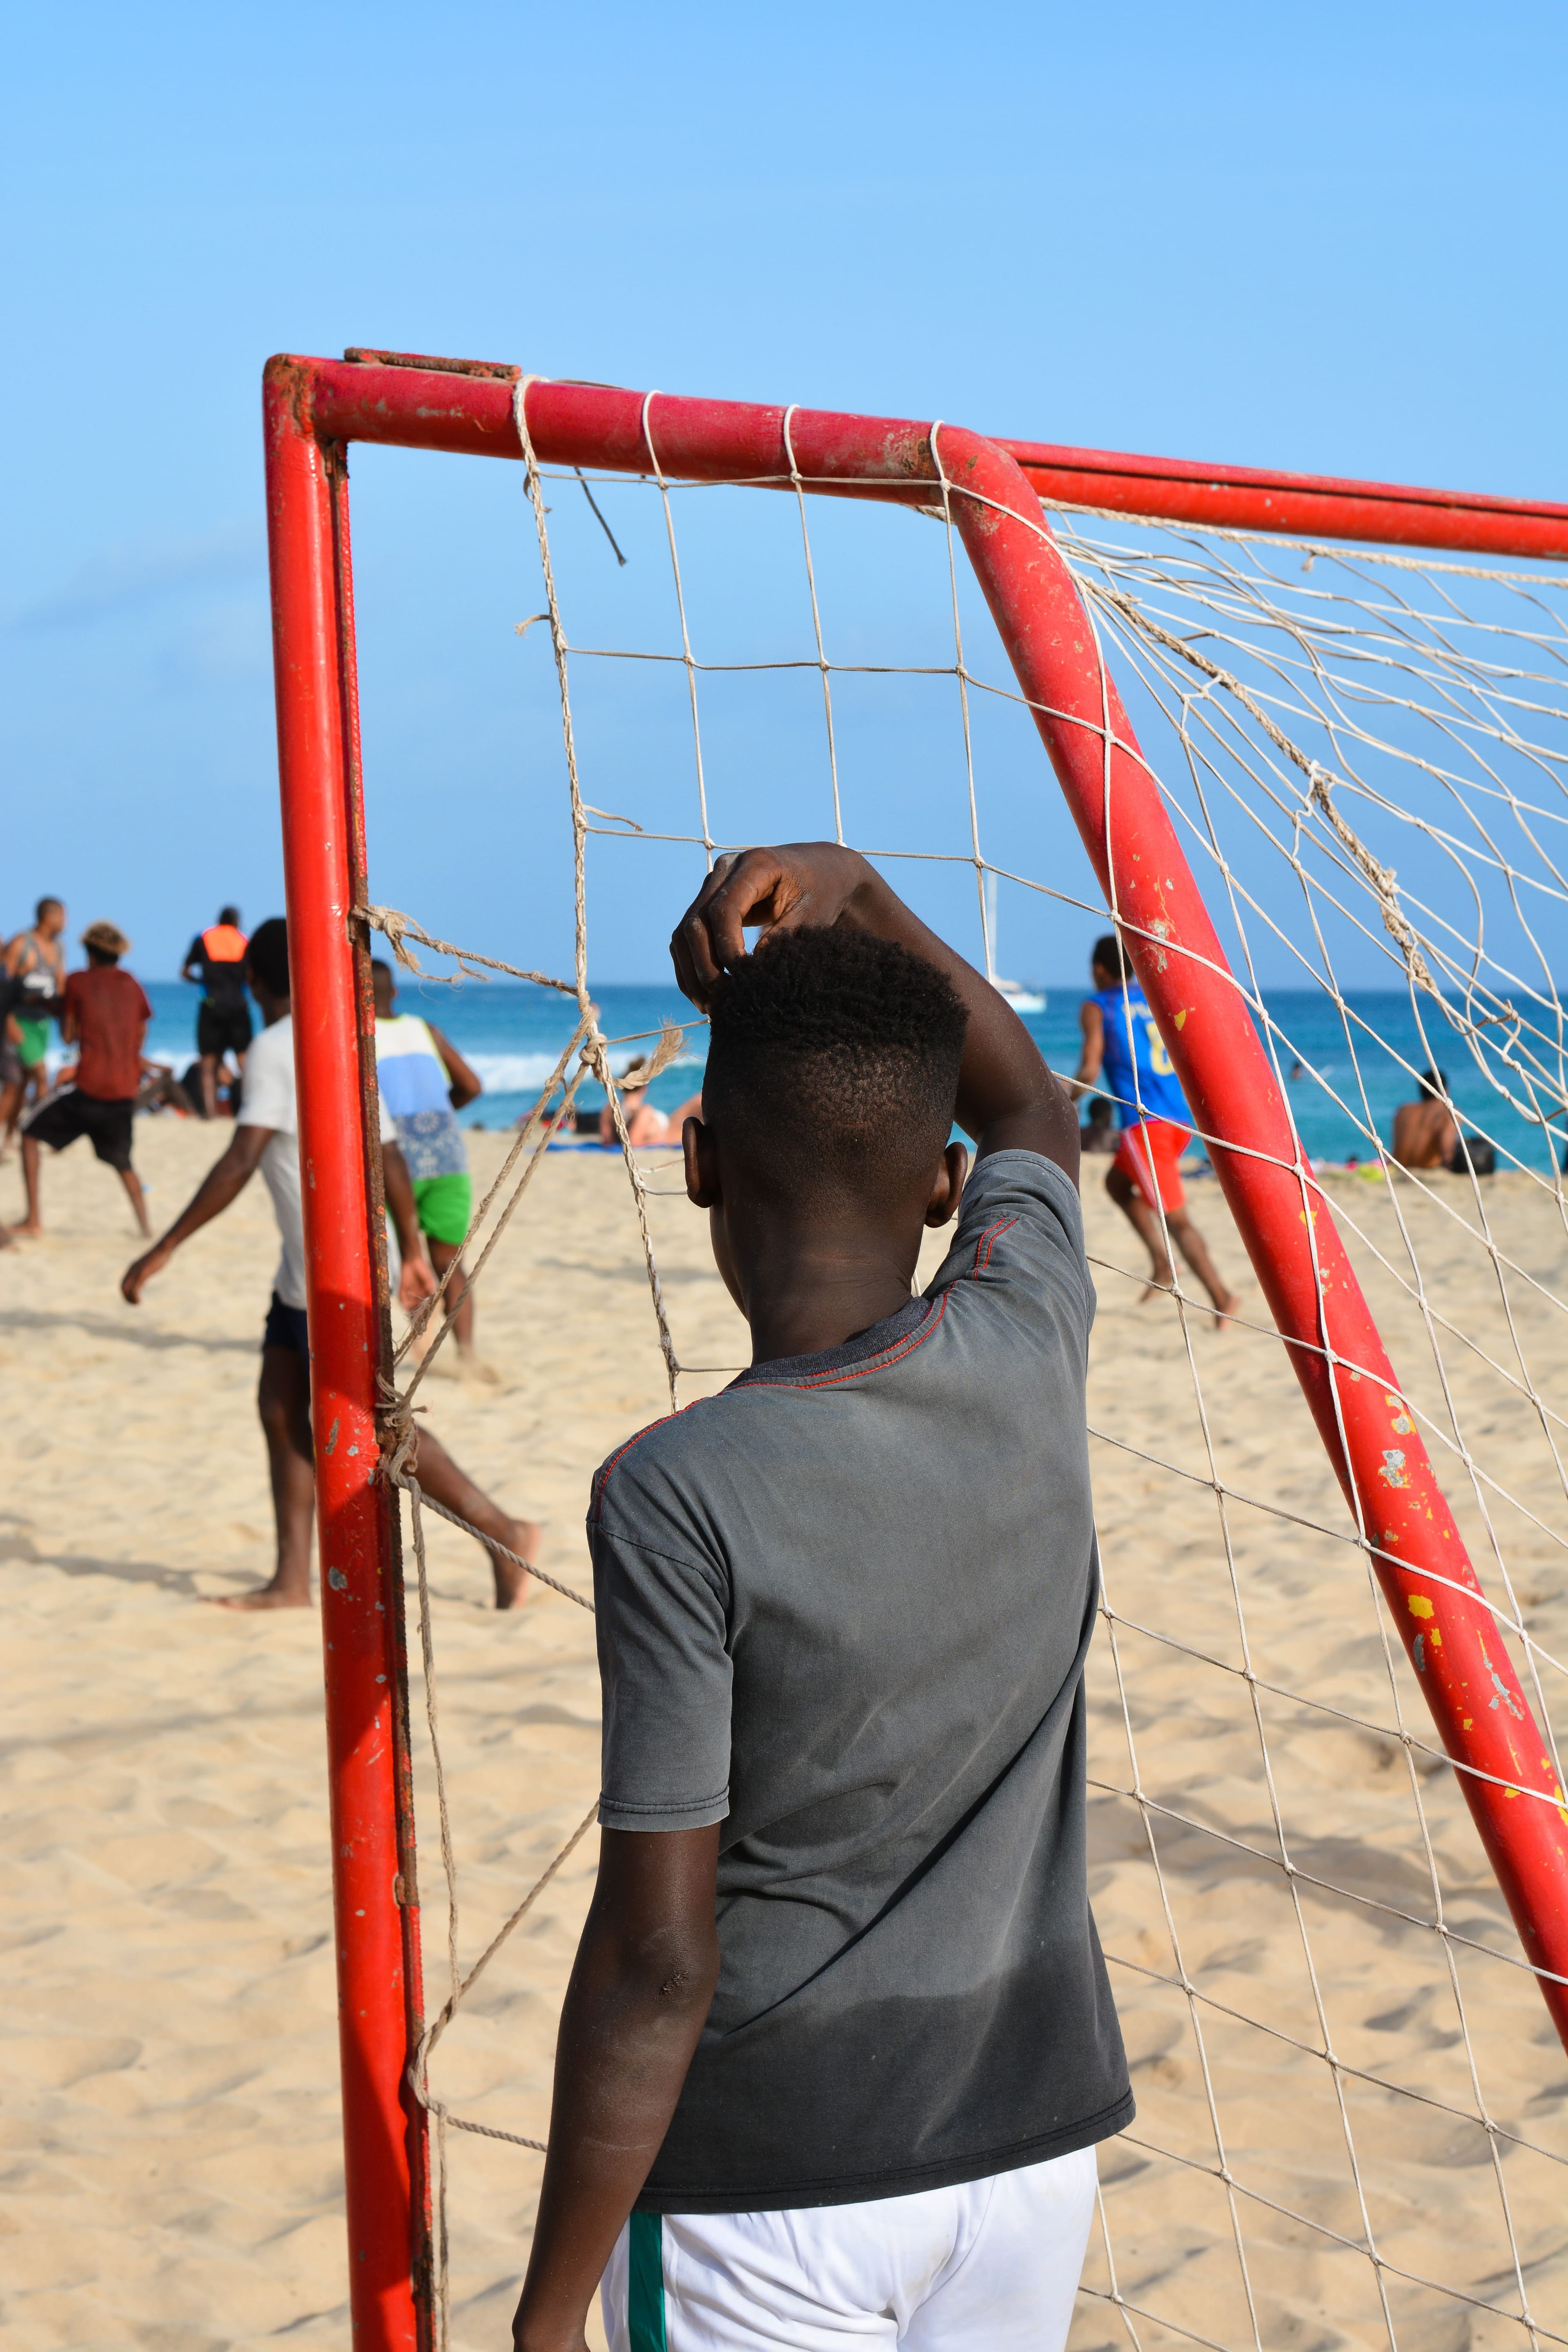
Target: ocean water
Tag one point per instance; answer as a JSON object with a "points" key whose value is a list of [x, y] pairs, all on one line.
{"points": [[512, 1034]]}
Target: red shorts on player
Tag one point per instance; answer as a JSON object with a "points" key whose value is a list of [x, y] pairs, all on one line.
{"points": [[1150, 1153]]}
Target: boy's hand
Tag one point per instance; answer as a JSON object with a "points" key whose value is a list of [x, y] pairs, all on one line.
{"points": [[1007, 1098], [415, 1282], [135, 1278], [802, 883]]}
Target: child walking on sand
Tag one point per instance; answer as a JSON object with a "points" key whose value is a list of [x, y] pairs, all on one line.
{"points": [[839, 2044], [423, 1083]]}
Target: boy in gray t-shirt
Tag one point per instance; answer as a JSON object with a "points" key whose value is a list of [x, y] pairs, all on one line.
{"points": [[839, 2042]]}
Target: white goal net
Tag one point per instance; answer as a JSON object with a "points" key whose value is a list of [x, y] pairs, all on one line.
{"points": [[1351, 2121]]}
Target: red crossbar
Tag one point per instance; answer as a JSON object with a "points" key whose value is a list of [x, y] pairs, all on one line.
{"points": [[1296, 506], [313, 407], [443, 406]]}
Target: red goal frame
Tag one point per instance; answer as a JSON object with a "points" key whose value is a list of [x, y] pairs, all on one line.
{"points": [[313, 409]]}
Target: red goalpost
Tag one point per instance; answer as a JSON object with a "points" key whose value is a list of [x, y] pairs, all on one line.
{"points": [[313, 409]]}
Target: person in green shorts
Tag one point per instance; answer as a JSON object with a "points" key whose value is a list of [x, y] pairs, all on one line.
{"points": [[424, 1080], [36, 961]]}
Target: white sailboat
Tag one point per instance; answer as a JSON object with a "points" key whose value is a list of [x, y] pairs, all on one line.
{"points": [[1021, 999]]}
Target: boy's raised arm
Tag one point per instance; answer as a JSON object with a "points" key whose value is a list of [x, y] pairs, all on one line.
{"points": [[464, 1083], [1007, 1098]]}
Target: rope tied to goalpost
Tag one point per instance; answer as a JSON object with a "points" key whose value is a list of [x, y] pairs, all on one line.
{"points": [[399, 928]]}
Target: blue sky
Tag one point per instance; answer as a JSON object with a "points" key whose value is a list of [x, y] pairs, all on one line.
{"points": [[1328, 238]]}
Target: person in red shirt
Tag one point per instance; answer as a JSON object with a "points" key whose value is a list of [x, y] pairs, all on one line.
{"points": [[105, 1016]]}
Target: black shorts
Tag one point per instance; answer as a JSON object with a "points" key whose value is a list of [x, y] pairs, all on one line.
{"points": [[286, 1327], [63, 1116], [222, 1028]]}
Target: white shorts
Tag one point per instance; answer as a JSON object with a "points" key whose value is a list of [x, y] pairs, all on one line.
{"points": [[994, 2263]]}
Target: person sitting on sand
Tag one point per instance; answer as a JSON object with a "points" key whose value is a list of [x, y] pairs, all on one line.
{"points": [[424, 1080], [839, 2041], [160, 1090], [268, 1138], [1427, 1135], [1123, 1050], [105, 1015], [645, 1125], [226, 1085], [1098, 1134]]}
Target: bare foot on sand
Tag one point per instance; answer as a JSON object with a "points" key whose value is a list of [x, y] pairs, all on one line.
{"points": [[1225, 1307], [28, 1233], [265, 1596], [1158, 1285], [511, 1581], [477, 1368]]}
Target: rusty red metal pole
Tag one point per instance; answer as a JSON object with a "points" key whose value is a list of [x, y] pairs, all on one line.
{"points": [[360, 1615], [417, 2125], [1454, 1642]]}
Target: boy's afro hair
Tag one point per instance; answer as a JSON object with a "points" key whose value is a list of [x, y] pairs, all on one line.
{"points": [[835, 1063], [836, 993]]}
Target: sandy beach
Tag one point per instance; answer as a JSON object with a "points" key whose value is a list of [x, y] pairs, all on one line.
{"points": [[171, 2113]]}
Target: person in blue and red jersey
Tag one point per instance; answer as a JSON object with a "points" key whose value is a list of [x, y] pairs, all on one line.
{"points": [[215, 958], [1125, 1057]]}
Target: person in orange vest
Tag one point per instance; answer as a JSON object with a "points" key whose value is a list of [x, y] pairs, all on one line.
{"points": [[216, 959]]}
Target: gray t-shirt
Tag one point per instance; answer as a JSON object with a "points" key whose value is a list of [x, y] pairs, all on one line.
{"points": [[844, 1608]]}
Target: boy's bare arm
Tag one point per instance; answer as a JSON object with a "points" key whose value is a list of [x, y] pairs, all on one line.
{"points": [[464, 1084], [640, 1990], [417, 1279], [1007, 1098], [223, 1184], [1091, 1058]]}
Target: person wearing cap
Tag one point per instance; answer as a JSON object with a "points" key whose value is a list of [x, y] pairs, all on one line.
{"points": [[104, 1013], [215, 957]]}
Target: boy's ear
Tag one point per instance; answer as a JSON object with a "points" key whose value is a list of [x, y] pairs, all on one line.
{"points": [[946, 1191], [702, 1186]]}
